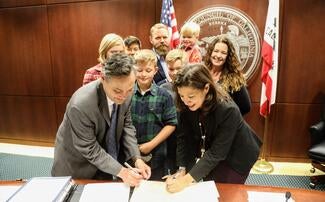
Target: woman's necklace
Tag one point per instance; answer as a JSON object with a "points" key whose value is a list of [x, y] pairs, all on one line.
{"points": [[202, 144], [202, 140]]}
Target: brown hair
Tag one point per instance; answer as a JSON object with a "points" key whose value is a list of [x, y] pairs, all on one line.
{"points": [[197, 76], [129, 40]]}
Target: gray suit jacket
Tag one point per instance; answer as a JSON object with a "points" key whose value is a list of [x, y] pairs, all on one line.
{"points": [[80, 140]]}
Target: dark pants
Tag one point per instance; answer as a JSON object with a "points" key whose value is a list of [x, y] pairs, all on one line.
{"points": [[171, 153], [223, 173], [158, 162]]}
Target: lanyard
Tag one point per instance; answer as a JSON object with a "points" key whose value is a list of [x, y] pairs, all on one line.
{"points": [[202, 142]]}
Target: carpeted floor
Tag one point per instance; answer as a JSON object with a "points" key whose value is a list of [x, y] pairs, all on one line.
{"points": [[281, 181], [13, 166]]}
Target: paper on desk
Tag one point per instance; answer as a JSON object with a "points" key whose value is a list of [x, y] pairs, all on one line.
{"points": [[150, 191], [254, 196], [43, 189], [103, 192], [7, 191]]}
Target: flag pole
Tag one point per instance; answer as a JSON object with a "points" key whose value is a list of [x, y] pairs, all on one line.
{"points": [[262, 165]]}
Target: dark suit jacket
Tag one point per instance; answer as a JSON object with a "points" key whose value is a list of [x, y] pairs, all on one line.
{"points": [[80, 140], [228, 138], [160, 76], [242, 99]]}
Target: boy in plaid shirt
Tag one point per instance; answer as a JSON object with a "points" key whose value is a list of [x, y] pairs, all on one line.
{"points": [[153, 113]]}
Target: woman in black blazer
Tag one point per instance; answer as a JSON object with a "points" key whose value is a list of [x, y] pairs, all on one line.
{"points": [[215, 142]]}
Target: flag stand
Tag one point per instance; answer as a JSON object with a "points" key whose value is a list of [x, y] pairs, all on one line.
{"points": [[262, 166]]}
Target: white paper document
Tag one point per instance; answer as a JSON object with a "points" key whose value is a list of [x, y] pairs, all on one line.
{"points": [[150, 191], [43, 189], [254, 196], [7, 191], [103, 192]]}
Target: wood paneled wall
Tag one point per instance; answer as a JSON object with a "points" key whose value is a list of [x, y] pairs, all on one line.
{"points": [[46, 46]]}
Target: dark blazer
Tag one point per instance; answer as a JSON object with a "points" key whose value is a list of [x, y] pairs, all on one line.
{"points": [[228, 138], [80, 140], [242, 99]]}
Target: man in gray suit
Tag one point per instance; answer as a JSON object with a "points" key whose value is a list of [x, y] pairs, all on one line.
{"points": [[82, 148]]}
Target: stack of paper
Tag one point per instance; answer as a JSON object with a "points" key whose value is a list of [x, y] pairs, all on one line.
{"points": [[7, 191], [43, 189], [103, 192], [150, 191], [254, 196]]}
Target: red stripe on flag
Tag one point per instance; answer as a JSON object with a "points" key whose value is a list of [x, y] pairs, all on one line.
{"points": [[267, 54], [264, 109]]}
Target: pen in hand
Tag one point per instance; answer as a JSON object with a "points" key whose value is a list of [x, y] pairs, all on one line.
{"points": [[170, 176], [131, 168]]}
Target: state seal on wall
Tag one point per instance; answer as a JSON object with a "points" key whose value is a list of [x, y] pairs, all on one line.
{"points": [[239, 28]]}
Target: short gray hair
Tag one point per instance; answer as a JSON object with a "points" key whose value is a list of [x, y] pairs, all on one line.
{"points": [[119, 64]]}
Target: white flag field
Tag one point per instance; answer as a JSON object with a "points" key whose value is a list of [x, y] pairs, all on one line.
{"points": [[270, 51]]}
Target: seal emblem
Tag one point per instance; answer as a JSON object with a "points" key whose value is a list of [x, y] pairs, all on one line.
{"points": [[239, 28]]}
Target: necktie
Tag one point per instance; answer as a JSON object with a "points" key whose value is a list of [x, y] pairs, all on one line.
{"points": [[111, 143], [164, 66]]}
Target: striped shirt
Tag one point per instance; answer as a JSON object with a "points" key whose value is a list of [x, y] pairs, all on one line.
{"points": [[92, 74]]}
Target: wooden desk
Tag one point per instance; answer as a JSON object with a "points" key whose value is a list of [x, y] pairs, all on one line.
{"points": [[236, 192]]}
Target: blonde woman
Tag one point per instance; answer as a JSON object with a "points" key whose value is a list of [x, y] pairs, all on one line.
{"points": [[110, 44]]}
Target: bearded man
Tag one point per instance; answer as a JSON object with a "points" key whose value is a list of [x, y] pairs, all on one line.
{"points": [[160, 40]]}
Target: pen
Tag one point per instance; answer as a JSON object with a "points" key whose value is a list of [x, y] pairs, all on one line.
{"points": [[173, 176], [287, 195], [128, 166]]}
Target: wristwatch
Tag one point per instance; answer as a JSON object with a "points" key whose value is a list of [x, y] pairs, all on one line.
{"points": [[182, 168]]}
